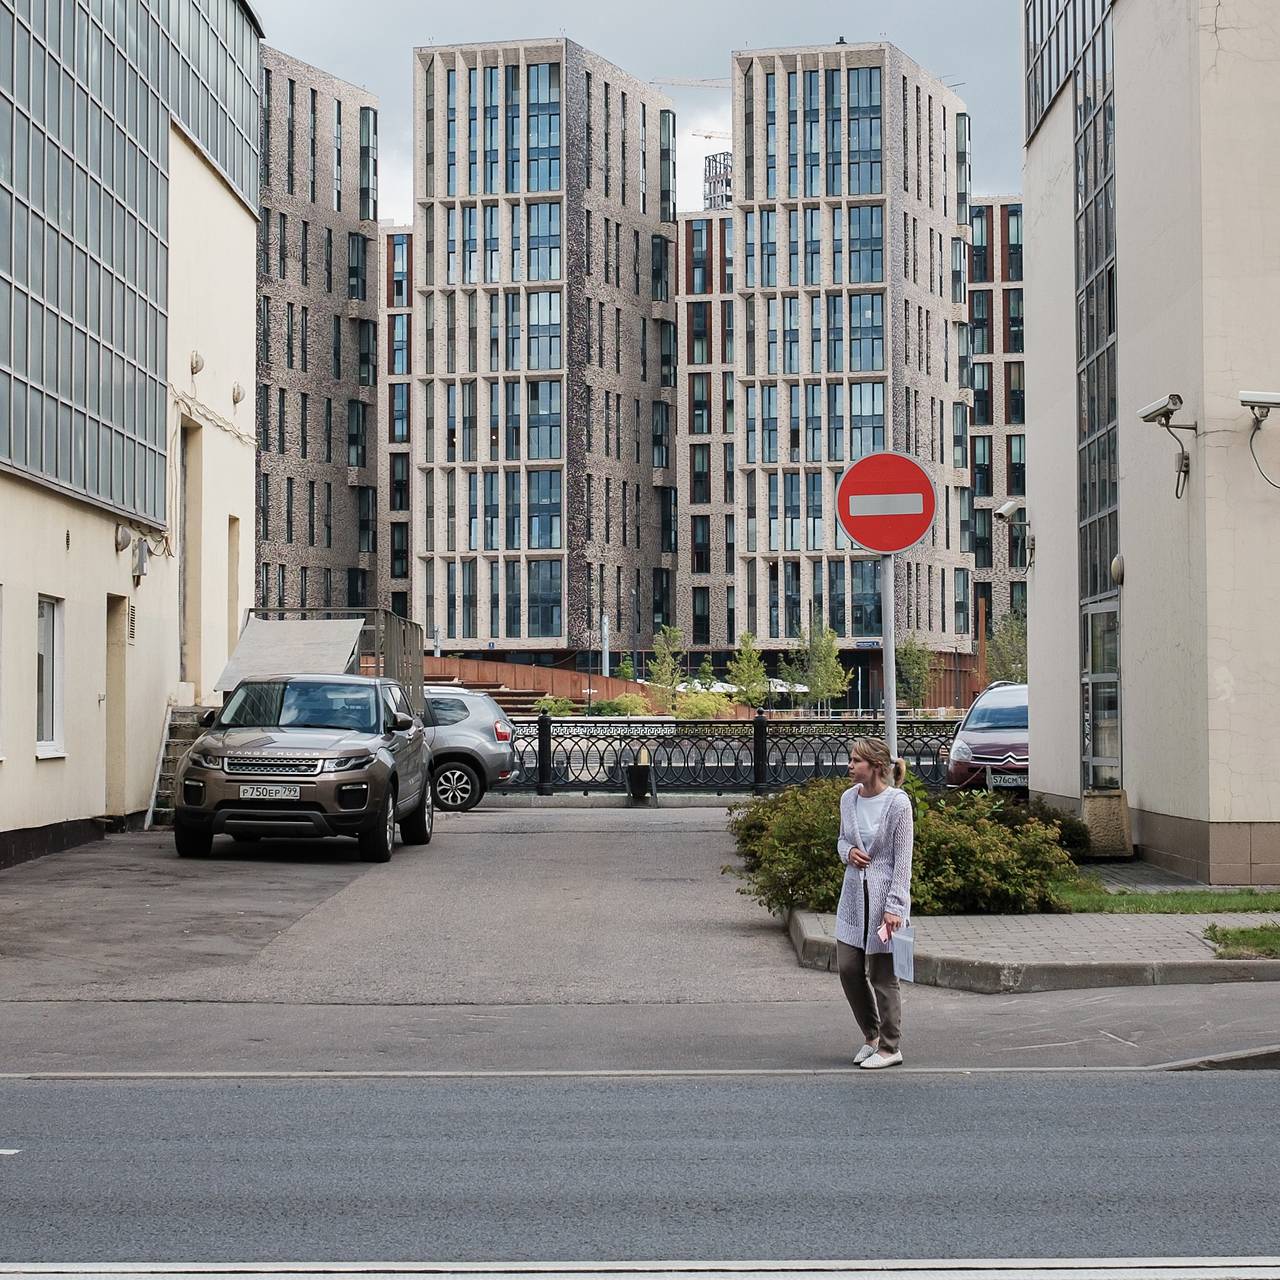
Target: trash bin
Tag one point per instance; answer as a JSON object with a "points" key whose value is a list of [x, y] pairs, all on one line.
{"points": [[638, 781]]}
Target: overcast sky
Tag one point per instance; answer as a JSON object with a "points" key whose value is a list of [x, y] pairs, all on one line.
{"points": [[974, 47]]}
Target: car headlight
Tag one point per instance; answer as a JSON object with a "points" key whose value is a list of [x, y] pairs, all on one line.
{"points": [[345, 764], [961, 752], [203, 761]]}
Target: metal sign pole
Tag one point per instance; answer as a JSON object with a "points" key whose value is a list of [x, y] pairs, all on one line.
{"points": [[889, 648]]}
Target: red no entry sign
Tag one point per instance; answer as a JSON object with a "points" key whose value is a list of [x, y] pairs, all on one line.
{"points": [[885, 502]]}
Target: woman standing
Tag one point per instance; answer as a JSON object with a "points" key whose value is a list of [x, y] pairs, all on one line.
{"points": [[875, 843]]}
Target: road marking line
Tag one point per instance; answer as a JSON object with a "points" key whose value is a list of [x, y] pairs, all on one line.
{"points": [[915, 1269], [886, 504], [10, 1151]]}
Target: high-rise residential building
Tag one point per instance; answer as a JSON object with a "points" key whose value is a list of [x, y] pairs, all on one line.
{"points": [[318, 286], [394, 426], [1153, 265], [846, 331], [998, 424], [543, 257], [128, 204]]}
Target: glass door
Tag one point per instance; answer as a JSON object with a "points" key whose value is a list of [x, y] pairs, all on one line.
{"points": [[1100, 696]]}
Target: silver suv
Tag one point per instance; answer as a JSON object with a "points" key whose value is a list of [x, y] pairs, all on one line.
{"points": [[471, 744]]}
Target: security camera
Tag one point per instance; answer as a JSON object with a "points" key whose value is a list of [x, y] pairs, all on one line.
{"points": [[1260, 402], [1006, 509], [1162, 410]]}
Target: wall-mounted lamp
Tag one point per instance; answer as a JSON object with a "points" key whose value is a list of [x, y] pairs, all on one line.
{"points": [[197, 362], [1160, 413], [237, 393], [123, 538]]}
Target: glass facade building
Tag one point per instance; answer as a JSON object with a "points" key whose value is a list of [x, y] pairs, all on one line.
{"points": [[88, 91]]}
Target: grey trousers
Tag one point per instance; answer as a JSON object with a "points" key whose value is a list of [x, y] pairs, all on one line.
{"points": [[871, 988]]}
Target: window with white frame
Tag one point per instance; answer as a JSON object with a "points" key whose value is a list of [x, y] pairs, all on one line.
{"points": [[49, 676]]}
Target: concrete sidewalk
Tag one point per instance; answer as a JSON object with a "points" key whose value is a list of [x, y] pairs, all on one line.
{"points": [[991, 954]]}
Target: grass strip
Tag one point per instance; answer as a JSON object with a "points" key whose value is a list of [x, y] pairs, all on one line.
{"points": [[1089, 895], [1255, 942]]}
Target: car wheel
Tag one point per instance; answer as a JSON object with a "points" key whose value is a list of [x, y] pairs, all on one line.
{"points": [[457, 787], [418, 827], [377, 843], [192, 842]]}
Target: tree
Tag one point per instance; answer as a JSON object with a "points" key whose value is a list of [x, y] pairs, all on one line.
{"points": [[827, 677], [915, 669], [747, 675], [815, 664], [706, 676], [1007, 649], [626, 668], [666, 668]]}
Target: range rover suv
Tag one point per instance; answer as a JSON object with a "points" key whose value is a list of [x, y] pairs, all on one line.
{"points": [[308, 756]]}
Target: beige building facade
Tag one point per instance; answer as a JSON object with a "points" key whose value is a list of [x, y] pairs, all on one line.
{"points": [[1153, 262], [126, 424], [847, 241]]}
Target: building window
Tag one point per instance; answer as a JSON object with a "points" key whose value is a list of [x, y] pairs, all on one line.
{"points": [[399, 344], [666, 353], [544, 440], [1016, 465], [399, 482], [961, 598], [543, 114], [700, 473], [959, 435], [367, 503], [981, 537], [699, 332], [337, 155], [49, 675], [661, 434], [399, 549], [368, 334], [1013, 243], [544, 510], [981, 395], [1018, 539], [700, 404], [866, 332], [981, 466], [702, 615], [368, 164], [1013, 335], [864, 141], [699, 256], [1015, 392], [544, 330], [1018, 598], [700, 537], [400, 271], [357, 436], [980, 322], [399, 413], [667, 509], [544, 598], [544, 241], [980, 253], [659, 269], [866, 244]]}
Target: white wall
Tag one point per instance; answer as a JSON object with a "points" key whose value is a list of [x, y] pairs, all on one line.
{"points": [[1053, 597], [212, 310], [1158, 246]]}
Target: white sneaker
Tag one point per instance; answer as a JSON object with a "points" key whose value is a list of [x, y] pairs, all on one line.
{"points": [[878, 1059], [864, 1053]]}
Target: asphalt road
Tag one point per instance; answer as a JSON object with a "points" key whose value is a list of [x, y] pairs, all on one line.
{"points": [[890, 1166]]}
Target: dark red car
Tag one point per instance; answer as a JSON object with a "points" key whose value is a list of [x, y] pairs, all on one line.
{"points": [[990, 747]]}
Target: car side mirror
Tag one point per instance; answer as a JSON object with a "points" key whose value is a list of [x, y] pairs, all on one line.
{"points": [[401, 723], [206, 720]]}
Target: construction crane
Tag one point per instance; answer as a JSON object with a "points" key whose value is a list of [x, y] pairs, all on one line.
{"points": [[693, 84], [711, 133]]}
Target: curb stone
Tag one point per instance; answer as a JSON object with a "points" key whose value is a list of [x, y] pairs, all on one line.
{"points": [[815, 948]]}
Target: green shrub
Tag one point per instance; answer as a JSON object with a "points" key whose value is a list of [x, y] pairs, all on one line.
{"points": [[973, 853], [968, 860], [625, 704], [554, 705], [702, 706]]}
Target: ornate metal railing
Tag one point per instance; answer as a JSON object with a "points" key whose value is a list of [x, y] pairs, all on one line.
{"points": [[588, 754]]}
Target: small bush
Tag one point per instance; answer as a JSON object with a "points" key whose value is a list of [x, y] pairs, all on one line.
{"points": [[973, 853], [702, 706], [625, 704], [556, 706]]}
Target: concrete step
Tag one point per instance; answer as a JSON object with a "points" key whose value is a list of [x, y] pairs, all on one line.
{"points": [[184, 732], [162, 817]]}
